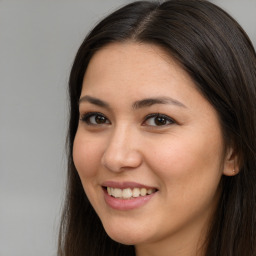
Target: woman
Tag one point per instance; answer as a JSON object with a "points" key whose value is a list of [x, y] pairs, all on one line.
{"points": [[162, 135]]}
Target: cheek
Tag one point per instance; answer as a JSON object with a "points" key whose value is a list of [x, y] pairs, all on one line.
{"points": [[87, 159], [86, 155], [188, 164], [189, 174]]}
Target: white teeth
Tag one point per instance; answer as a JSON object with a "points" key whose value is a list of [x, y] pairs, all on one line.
{"points": [[118, 192], [143, 192], [136, 192], [128, 193]]}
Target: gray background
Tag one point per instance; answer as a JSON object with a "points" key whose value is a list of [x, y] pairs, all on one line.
{"points": [[38, 41]]}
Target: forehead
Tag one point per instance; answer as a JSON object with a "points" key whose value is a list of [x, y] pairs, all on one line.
{"points": [[146, 65], [128, 48]]}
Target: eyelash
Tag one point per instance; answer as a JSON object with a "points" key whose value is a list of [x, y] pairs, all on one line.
{"points": [[86, 117], [163, 118]]}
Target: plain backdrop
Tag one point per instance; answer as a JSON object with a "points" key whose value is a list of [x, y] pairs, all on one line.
{"points": [[38, 41]]}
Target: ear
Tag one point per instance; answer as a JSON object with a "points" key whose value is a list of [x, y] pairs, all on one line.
{"points": [[231, 163]]}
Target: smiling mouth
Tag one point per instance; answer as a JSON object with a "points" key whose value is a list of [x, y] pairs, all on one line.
{"points": [[129, 193]]}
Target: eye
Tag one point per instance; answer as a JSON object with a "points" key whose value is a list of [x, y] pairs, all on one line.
{"points": [[94, 118], [158, 120]]}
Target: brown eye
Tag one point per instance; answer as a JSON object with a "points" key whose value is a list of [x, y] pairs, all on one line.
{"points": [[95, 119], [158, 120], [100, 119]]}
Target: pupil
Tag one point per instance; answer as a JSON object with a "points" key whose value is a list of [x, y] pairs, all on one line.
{"points": [[160, 120], [100, 119]]}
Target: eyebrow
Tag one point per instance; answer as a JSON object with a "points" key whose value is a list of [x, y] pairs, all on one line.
{"points": [[157, 100], [94, 101], [137, 104]]}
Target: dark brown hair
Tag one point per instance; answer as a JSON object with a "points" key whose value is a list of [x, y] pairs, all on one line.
{"points": [[215, 51]]}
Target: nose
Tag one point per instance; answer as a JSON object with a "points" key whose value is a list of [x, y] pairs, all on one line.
{"points": [[122, 151]]}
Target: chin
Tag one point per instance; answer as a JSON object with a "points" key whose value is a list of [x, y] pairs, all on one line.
{"points": [[124, 240], [126, 237]]}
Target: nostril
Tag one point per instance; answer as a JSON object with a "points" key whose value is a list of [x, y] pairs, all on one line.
{"points": [[122, 160]]}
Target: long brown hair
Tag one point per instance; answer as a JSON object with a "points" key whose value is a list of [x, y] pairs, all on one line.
{"points": [[215, 51]]}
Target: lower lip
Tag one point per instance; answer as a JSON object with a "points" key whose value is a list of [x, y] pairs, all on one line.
{"points": [[126, 204]]}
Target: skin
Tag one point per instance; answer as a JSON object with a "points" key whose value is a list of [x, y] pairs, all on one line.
{"points": [[184, 158]]}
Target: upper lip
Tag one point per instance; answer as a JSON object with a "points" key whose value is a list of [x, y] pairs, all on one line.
{"points": [[125, 184]]}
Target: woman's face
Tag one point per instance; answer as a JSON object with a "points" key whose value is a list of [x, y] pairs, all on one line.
{"points": [[149, 148]]}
